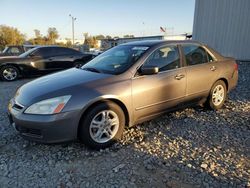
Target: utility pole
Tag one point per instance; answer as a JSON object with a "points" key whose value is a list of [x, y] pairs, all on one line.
{"points": [[143, 31], [73, 29]]}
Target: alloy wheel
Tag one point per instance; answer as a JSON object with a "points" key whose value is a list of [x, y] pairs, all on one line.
{"points": [[10, 74], [104, 126], [218, 95]]}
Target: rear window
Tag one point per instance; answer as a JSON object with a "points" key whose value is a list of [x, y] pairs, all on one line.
{"points": [[44, 52], [65, 51]]}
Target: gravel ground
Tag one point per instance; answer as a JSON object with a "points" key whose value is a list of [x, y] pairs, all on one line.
{"points": [[192, 147]]}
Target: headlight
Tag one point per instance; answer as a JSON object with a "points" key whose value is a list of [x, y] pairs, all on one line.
{"points": [[49, 106]]}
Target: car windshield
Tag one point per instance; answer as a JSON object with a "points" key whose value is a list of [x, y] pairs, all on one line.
{"points": [[116, 60], [25, 54]]}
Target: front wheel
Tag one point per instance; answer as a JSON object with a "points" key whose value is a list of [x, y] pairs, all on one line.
{"points": [[9, 73], [102, 126], [217, 95]]}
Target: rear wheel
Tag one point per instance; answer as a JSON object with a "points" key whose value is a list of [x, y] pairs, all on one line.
{"points": [[102, 126], [217, 95], [9, 73]]}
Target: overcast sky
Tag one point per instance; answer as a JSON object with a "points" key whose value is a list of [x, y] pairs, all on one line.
{"points": [[109, 17]]}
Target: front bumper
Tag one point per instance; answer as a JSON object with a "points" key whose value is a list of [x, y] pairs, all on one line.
{"points": [[56, 128]]}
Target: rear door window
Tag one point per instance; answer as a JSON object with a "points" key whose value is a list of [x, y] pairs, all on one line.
{"points": [[44, 52], [195, 54], [65, 51]]}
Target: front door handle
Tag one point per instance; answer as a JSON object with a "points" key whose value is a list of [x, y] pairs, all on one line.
{"points": [[179, 76], [213, 68]]}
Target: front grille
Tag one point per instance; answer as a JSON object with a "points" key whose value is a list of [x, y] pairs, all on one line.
{"points": [[35, 131], [29, 132]]}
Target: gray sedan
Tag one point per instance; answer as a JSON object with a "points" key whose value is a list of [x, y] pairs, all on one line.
{"points": [[124, 86]]}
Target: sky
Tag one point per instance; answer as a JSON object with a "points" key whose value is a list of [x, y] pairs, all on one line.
{"points": [[107, 17]]}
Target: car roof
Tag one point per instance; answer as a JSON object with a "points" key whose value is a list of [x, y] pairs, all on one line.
{"points": [[25, 45], [152, 43], [54, 46], [49, 46]]}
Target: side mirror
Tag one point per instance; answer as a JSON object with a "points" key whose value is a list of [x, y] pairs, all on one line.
{"points": [[149, 70]]}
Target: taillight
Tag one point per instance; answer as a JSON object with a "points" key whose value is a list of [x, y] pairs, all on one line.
{"points": [[236, 67]]}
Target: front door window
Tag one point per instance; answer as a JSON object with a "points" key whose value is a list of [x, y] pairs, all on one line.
{"points": [[165, 58]]}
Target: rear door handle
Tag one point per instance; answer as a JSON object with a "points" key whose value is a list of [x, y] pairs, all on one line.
{"points": [[179, 76], [213, 68]]}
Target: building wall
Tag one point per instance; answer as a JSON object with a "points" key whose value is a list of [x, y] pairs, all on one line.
{"points": [[125, 40], [175, 37], [224, 25], [109, 43]]}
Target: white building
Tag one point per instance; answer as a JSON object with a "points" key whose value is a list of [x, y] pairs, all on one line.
{"points": [[109, 43], [64, 41]]}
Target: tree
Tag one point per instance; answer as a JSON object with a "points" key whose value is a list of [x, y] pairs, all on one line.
{"points": [[99, 37], [39, 39], [68, 43], [108, 37], [86, 39], [90, 41], [37, 33], [128, 36], [10, 36], [85, 35], [52, 35]]}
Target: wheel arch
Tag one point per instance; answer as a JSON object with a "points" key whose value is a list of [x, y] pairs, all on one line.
{"points": [[103, 100], [209, 103], [11, 64], [225, 81]]}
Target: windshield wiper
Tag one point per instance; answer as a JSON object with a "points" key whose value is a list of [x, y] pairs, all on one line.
{"points": [[91, 69]]}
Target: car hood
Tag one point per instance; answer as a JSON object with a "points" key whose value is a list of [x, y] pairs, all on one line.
{"points": [[57, 84]]}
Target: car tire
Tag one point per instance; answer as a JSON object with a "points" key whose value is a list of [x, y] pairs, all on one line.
{"points": [[9, 73], [102, 126], [217, 95]]}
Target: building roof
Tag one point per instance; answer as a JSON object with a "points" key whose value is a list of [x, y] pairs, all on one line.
{"points": [[157, 42]]}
